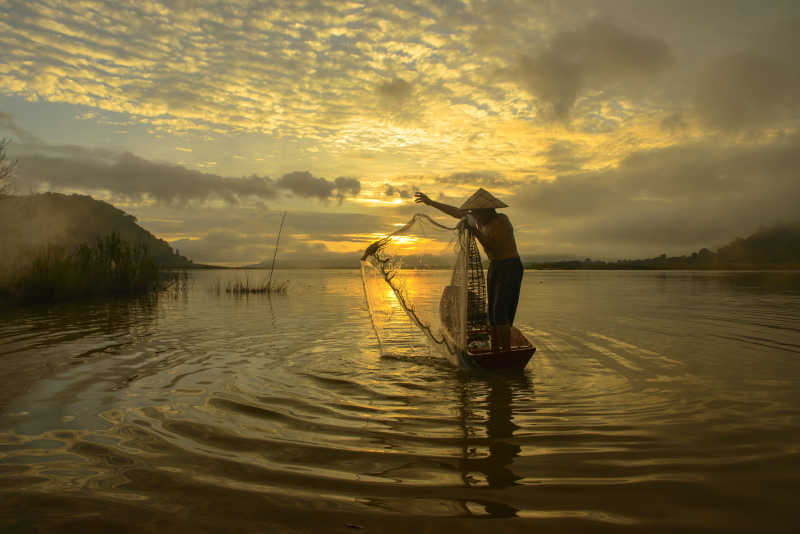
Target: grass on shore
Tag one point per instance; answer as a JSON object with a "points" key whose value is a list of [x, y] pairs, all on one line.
{"points": [[109, 266], [244, 287]]}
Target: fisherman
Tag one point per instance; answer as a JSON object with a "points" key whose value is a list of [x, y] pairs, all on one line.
{"points": [[496, 236]]}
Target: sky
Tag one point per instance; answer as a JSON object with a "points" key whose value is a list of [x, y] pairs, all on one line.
{"points": [[612, 129]]}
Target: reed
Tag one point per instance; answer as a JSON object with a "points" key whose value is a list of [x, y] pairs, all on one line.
{"points": [[109, 266], [216, 287], [245, 287]]}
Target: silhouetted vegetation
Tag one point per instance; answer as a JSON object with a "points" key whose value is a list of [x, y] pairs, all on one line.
{"points": [[109, 266], [31, 223], [60, 247], [244, 287], [773, 248]]}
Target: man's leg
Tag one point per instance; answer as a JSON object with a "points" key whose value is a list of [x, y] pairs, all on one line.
{"points": [[506, 295], [503, 334]]}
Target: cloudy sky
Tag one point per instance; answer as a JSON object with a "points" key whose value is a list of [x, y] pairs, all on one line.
{"points": [[612, 128]]}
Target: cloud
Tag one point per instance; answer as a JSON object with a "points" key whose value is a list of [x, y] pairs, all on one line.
{"points": [[398, 100], [467, 86], [223, 246], [134, 178], [257, 221], [346, 186], [391, 191], [394, 92], [573, 196], [564, 156], [234, 247], [8, 124], [476, 178], [304, 254], [679, 198], [137, 179], [598, 56], [746, 90], [362, 82], [304, 184], [248, 236], [673, 123]]}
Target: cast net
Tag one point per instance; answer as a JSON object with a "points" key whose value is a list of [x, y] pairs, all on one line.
{"points": [[432, 274]]}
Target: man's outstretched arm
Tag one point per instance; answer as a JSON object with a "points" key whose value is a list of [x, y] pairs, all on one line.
{"points": [[453, 211]]}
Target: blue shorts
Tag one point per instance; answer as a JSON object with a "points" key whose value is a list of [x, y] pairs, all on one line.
{"points": [[502, 284]]}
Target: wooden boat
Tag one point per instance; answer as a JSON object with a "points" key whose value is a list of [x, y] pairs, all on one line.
{"points": [[513, 360]]}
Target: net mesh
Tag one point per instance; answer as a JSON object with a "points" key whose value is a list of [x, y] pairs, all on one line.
{"points": [[434, 274]]}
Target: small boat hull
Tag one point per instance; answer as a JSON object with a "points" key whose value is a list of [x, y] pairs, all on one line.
{"points": [[513, 360]]}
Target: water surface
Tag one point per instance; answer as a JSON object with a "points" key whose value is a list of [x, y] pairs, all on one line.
{"points": [[654, 401]]}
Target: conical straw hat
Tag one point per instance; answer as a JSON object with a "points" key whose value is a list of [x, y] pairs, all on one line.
{"points": [[481, 200]]}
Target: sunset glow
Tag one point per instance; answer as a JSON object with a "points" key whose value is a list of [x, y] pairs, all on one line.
{"points": [[586, 117], [399, 266]]}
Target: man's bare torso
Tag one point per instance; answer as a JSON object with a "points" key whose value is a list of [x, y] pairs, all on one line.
{"points": [[497, 238]]}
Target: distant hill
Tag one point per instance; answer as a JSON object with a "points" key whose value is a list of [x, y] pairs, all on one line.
{"points": [[777, 247], [30, 222], [351, 260], [310, 261]]}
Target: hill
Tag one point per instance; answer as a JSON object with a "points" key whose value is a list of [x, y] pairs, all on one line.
{"points": [[777, 247], [31, 222], [348, 261]]}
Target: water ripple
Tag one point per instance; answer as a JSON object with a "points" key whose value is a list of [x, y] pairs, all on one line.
{"points": [[646, 406]]}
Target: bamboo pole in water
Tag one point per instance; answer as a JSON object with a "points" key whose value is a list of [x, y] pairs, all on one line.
{"points": [[275, 255]]}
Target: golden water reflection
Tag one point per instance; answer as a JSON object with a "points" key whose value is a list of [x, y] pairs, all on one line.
{"points": [[269, 408], [488, 448]]}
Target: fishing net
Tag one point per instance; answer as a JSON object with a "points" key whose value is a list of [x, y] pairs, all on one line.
{"points": [[432, 274]]}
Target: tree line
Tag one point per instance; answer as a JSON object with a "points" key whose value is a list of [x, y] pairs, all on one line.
{"points": [[776, 247]]}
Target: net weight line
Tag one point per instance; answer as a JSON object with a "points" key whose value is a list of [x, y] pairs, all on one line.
{"points": [[388, 276], [475, 283]]}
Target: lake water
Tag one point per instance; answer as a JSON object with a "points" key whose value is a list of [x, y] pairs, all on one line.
{"points": [[654, 401]]}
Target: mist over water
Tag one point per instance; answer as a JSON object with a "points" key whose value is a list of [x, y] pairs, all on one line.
{"points": [[654, 400]]}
